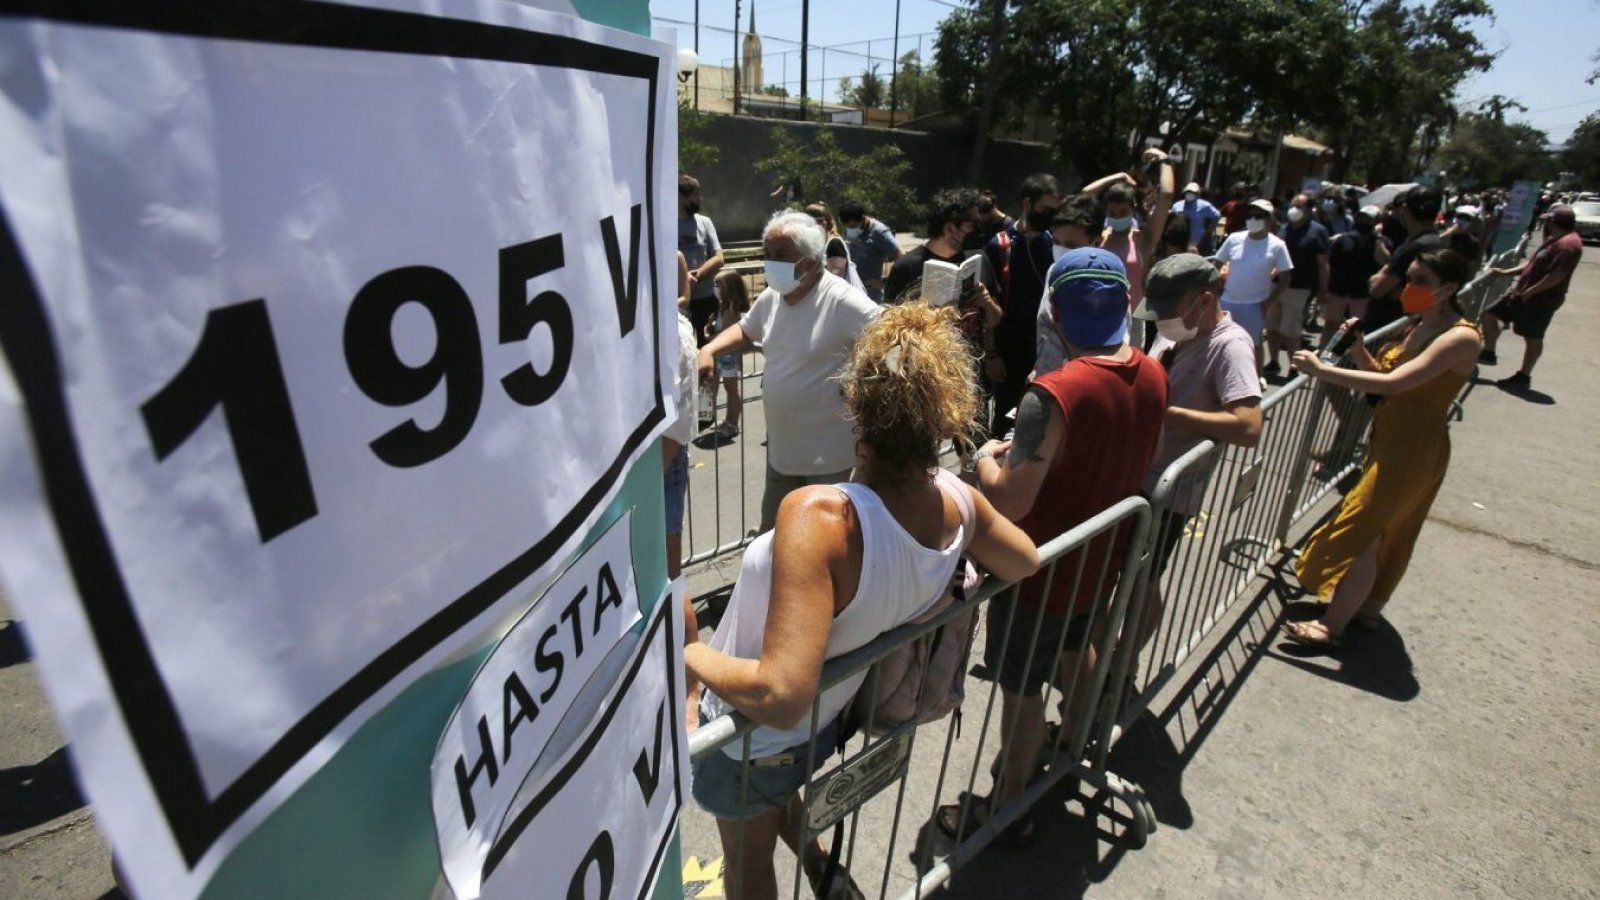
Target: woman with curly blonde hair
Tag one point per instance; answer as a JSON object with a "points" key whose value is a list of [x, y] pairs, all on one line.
{"points": [[845, 563]]}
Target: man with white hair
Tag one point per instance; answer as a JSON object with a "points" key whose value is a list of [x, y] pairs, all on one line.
{"points": [[807, 321]]}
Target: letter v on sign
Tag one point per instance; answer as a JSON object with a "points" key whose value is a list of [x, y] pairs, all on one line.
{"points": [[647, 769], [627, 297]]}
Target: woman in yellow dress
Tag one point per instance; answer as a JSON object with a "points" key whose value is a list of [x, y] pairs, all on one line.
{"points": [[1356, 560]]}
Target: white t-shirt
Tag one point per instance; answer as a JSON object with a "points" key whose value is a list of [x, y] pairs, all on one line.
{"points": [[1251, 265], [806, 344], [684, 383]]}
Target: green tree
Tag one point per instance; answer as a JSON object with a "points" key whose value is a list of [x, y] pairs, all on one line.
{"points": [[877, 179], [915, 90], [1486, 150], [1582, 154], [1070, 58], [774, 90], [694, 151], [869, 94]]}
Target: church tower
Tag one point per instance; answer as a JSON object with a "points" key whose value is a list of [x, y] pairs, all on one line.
{"points": [[750, 66]]}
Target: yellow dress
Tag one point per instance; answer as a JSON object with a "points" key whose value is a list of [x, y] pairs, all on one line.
{"points": [[1408, 453]]}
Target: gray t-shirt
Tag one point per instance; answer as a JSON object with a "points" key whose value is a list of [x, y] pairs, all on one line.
{"points": [[697, 241], [1207, 373]]}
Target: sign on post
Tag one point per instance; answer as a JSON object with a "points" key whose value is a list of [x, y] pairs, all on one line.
{"points": [[328, 333]]}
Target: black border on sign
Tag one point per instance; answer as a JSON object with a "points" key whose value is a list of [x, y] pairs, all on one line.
{"points": [[28, 342], [519, 823]]}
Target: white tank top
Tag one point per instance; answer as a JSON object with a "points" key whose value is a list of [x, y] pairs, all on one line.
{"points": [[900, 579]]}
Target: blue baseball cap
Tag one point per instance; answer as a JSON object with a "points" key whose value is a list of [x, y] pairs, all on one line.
{"points": [[1089, 296]]}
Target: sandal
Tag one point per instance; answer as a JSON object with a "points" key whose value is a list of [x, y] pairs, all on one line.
{"points": [[951, 821], [1304, 633], [843, 887]]}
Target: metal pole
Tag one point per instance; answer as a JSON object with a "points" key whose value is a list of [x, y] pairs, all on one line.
{"points": [[894, 66], [805, 46], [736, 5], [697, 55], [822, 87]]}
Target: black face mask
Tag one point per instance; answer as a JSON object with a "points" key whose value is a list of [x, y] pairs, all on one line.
{"points": [[1365, 227], [692, 208], [973, 240], [1039, 219]]}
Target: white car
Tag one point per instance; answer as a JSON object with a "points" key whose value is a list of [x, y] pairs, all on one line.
{"points": [[1588, 216]]}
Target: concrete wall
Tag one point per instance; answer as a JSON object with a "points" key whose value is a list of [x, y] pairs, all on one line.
{"points": [[737, 198]]}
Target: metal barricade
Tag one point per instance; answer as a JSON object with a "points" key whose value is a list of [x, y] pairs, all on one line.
{"points": [[1102, 557], [722, 507], [1237, 521]]}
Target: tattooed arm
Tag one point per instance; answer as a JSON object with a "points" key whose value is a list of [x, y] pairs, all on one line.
{"points": [[1011, 477]]}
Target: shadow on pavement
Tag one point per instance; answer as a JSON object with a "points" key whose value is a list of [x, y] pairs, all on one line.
{"points": [[36, 794], [13, 648], [1374, 661], [1525, 393]]}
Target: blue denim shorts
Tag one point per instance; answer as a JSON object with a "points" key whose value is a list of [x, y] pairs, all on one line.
{"points": [[676, 481], [716, 780]]}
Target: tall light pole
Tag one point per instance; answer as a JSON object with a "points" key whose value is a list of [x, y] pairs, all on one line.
{"points": [[894, 66], [736, 57], [697, 54], [805, 46]]}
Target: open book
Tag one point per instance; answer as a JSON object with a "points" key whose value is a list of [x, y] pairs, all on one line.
{"points": [[943, 283]]}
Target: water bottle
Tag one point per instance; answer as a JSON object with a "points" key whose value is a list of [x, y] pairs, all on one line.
{"points": [[1342, 339]]}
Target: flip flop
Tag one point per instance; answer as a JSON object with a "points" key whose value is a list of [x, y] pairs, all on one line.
{"points": [[951, 821], [1302, 633]]}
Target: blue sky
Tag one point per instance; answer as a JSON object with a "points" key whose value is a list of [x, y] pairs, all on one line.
{"points": [[1546, 46]]}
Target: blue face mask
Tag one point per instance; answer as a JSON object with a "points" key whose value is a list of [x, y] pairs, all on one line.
{"points": [[852, 232], [1120, 223]]}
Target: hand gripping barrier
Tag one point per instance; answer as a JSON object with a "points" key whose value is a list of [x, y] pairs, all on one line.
{"points": [[921, 775]]}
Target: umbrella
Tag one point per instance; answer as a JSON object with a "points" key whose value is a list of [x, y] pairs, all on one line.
{"points": [[1385, 195]]}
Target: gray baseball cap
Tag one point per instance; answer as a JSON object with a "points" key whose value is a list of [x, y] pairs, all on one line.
{"points": [[1170, 279]]}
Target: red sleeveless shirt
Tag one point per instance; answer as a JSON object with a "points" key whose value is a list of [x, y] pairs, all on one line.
{"points": [[1114, 413]]}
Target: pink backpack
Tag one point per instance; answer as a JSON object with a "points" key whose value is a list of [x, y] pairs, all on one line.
{"points": [[925, 680]]}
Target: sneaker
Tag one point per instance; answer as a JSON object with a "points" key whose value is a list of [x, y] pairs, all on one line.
{"points": [[1515, 382], [1488, 358], [727, 431], [1271, 368]]}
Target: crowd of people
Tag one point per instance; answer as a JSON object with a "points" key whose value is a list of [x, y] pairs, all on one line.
{"points": [[1107, 341]]}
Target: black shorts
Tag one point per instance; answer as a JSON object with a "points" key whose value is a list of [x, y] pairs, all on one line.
{"points": [[1025, 668], [701, 311], [1169, 530], [1526, 320]]}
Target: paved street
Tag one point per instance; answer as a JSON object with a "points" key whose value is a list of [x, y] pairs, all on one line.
{"points": [[1450, 753]]}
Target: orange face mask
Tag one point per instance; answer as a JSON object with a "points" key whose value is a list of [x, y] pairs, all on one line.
{"points": [[1416, 299]]}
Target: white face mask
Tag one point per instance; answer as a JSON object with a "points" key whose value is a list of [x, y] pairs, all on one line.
{"points": [[1057, 251], [780, 276], [1296, 215], [1175, 331], [1120, 223], [1190, 196], [852, 232], [1255, 226]]}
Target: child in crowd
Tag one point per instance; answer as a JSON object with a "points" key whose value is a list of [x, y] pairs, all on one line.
{"points": [[734, 299]]}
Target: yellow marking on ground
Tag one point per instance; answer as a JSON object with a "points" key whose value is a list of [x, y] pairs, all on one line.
{"points": [[702, 881], [1196, 526]]}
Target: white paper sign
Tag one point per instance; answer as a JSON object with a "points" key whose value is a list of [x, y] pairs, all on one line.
{"points": [[328, 332], [520, 694], [595, 823]]}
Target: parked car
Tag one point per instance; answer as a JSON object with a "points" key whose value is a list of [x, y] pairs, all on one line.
{"points": [[1588, 216]]}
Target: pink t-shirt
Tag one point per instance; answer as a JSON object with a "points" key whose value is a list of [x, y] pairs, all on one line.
{"points": [[1126, 247]]}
